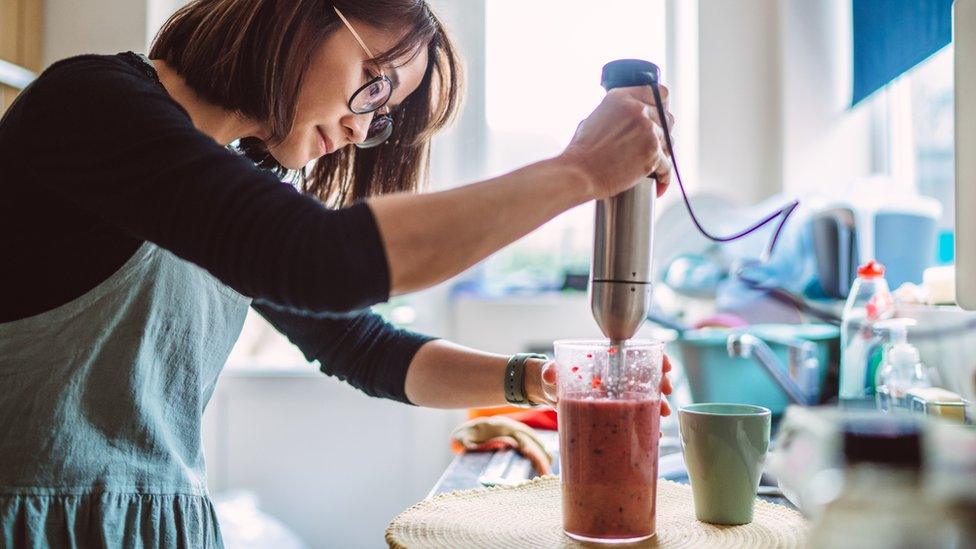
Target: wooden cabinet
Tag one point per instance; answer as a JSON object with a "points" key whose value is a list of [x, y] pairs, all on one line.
{"points": [[21, 28]]}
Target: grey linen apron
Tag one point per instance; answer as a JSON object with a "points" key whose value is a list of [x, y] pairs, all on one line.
{"points": [[101, 405]]}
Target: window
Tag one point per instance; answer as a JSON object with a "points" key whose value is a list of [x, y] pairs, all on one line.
{"points": [[543, 62], [921, 125], [932, 127]]}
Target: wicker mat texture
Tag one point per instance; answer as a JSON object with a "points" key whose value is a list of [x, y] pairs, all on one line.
{"points": [[529, 515]]}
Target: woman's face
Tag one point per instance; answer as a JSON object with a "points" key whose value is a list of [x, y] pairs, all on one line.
{"points": [[323, 121]]}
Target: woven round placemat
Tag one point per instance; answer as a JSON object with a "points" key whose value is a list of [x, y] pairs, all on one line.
{"points": [[529, 515]]}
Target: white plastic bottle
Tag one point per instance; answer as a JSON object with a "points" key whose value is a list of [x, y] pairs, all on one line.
{"points": [[868, 302], [901, 370]]}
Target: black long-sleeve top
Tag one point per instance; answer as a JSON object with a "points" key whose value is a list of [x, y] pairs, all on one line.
{"points": [[96, 158]]}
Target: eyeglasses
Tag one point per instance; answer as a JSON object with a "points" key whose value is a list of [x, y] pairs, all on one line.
{"points": [[371, 97]]}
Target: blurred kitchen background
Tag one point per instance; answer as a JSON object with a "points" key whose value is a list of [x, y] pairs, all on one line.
{"points": [[762, 94]]}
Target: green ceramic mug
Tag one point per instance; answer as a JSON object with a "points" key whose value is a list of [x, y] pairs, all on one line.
{"points": [[724, 448]]}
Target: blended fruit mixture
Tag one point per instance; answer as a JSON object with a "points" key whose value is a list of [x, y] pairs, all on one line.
{"points": [[608, 462]]}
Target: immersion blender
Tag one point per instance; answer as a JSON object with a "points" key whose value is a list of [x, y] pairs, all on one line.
{"points": [[620, 278]]}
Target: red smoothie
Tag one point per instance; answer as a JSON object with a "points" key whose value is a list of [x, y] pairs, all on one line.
{"points": [[608, 462]]}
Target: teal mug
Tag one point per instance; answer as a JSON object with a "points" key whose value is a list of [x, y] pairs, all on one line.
{"points": [[724, 448]]}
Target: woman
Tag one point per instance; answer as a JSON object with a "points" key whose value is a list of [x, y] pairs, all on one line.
{"points": [[137, 231]]}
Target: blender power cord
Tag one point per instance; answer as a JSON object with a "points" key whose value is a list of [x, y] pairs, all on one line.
{"points": [[784, 212]]}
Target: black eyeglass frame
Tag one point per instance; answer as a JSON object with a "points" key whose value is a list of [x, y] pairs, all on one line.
{"points": [[375, 79], [380, 130], [382, 124], [381, 127]]}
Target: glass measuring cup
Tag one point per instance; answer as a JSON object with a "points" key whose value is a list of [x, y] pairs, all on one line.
{"points": [[609, 428]]}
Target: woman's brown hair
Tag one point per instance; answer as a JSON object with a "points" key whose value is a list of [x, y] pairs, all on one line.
{"points": [[250, 56]]}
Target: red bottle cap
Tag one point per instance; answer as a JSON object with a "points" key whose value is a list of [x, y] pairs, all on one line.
{"points": [[871, 269]]}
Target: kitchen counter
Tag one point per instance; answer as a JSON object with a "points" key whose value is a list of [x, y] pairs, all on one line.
{"points": [[466, 470]]}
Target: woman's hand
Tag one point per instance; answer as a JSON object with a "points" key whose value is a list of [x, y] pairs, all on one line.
{"points": [[622, 141], [541, 384]]}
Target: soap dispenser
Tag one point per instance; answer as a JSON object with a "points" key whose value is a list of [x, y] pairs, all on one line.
{"points": [[902, 369]]}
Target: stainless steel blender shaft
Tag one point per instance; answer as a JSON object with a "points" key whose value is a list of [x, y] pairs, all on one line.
{"points": [[620, 290]]}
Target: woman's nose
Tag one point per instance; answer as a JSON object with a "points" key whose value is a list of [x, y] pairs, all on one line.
{"points": [[357, 125]]}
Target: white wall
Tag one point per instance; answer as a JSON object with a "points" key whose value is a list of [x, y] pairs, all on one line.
{"points": [[739, 98], [73, 27], [825, 142], [459, 154], [773, 92], [157, 12], [683, 81], [331, 463]]}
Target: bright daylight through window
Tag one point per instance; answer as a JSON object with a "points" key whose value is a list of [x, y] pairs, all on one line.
{"points": [[932, 124], [543, 76]]}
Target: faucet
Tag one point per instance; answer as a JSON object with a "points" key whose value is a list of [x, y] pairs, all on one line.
{"points": [[803, 365]]}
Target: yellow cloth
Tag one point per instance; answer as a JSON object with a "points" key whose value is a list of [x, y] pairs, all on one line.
{"points": [[488, 434]]}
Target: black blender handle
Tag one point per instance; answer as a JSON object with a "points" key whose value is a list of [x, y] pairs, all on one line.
{"points": [[624, 73]]}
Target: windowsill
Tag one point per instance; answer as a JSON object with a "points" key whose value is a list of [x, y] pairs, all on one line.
{"points": [[526, 298], [258, 367]]}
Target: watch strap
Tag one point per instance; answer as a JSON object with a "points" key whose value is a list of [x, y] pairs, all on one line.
{"points": [[515, 378]]}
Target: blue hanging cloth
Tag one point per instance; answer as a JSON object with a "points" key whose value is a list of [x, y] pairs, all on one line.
{"points": [[892, 36]]}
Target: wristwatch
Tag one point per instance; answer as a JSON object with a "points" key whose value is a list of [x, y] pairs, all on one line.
{"points": [[515, 379]]}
